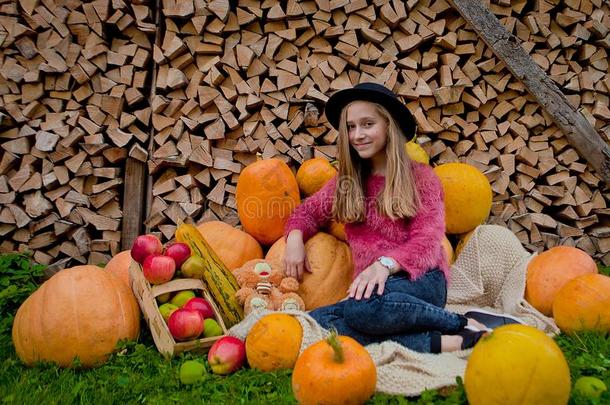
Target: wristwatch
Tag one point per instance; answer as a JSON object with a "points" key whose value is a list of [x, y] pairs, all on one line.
{"points": [[388, 263]]}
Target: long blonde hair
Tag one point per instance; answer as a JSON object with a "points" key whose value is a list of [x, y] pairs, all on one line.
{"points": [[399, 198]]}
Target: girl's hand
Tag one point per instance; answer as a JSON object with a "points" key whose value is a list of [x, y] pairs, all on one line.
{"points": [[295, 259], [363, 285]]}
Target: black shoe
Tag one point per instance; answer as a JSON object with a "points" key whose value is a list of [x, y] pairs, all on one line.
{"points": [[490, 319], [471, 336]]}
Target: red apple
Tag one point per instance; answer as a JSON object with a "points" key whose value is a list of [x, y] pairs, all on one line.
{"points": [[201, 305], [179, 252], [227, 355], [185, 324], [145, 245], [158, 269]]}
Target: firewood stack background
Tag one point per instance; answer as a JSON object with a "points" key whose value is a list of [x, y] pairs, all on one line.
{"points": [[218, 85], [74, 80]]}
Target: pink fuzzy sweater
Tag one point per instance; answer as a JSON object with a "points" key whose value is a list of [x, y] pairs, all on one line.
{"points": [[415, 243]]}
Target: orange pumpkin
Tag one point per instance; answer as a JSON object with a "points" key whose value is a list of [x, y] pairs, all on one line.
{"points": [[337, 229], [119, 266], [448, 250], [274, 342], [331, 269], [337, 370], [266, 194], [80, 312], [464, 238], [583, 303], [550, 270], [313, 174], [233, 246]]}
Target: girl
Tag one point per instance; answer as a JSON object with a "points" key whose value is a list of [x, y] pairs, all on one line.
{"points": [[394, 218]]}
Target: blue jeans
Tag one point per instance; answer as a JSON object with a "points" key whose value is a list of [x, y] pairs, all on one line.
{"points": [[408, 312]]}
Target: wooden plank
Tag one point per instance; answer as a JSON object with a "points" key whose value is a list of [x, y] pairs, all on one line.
{"points": [[507, 47], [133, 201]]}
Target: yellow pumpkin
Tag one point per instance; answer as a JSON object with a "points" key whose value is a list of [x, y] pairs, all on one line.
{"points": [[468, 196], [416, 152], [551, 270], [80, 312], [233, 246], [266, 194], [331, 266], [274, 342], [583, 303], [517, 364], [313, 174]]}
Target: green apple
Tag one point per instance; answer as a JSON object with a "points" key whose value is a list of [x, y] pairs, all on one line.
{"points": [[163, 298], [191, 371], [182, 297], [193, 267], [211, 328], [167, 309], [590, 387]]}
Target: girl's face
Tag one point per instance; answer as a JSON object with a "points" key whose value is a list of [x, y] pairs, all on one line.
{"points": [[367, 130]]}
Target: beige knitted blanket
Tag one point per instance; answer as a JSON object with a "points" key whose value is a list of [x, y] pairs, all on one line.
{"points": [[489, 274]]}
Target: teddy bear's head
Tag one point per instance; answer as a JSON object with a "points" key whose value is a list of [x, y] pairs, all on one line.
{"points": [[250, 274]]}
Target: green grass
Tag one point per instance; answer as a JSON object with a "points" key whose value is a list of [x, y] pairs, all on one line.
{"points": [[138, 374]]}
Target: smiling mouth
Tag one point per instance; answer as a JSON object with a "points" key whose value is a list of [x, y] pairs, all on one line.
{"points": [[361, 145]]}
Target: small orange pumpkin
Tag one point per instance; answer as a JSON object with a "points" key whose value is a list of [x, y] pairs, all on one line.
{"points": [[233, 246], [274, 342], [551, 270], [313, 174], [266, 194], [337, 229], [448, 250], [583, 303], [119, 266], [81, 312], [464, 238], [331, 269], [337, 370]]}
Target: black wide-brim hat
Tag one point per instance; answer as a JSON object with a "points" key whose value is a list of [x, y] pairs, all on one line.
{"points": [[375, 93]]}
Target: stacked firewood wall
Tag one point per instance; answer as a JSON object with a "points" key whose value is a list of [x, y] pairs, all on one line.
{"points": [[74, 84], [234, 84], [244, 80]]}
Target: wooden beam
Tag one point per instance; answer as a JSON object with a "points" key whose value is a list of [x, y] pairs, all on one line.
{"points": [[507, 47], [133, 201]]}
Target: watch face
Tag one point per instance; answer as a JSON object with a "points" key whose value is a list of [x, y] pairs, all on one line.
{"points": [[386, 261]]}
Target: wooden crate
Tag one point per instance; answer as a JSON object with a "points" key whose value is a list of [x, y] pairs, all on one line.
{"points": [[146, 295]]}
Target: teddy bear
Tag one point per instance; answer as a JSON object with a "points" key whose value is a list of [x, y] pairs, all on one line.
{"points": [[263, 286]]}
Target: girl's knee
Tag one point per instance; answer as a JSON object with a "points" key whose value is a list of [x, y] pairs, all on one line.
{"points": [[361, 314], [325, 316], [319, 313]]}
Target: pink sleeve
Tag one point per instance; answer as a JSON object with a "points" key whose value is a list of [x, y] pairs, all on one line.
{"points": [[423, 249], [314, 212]]}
